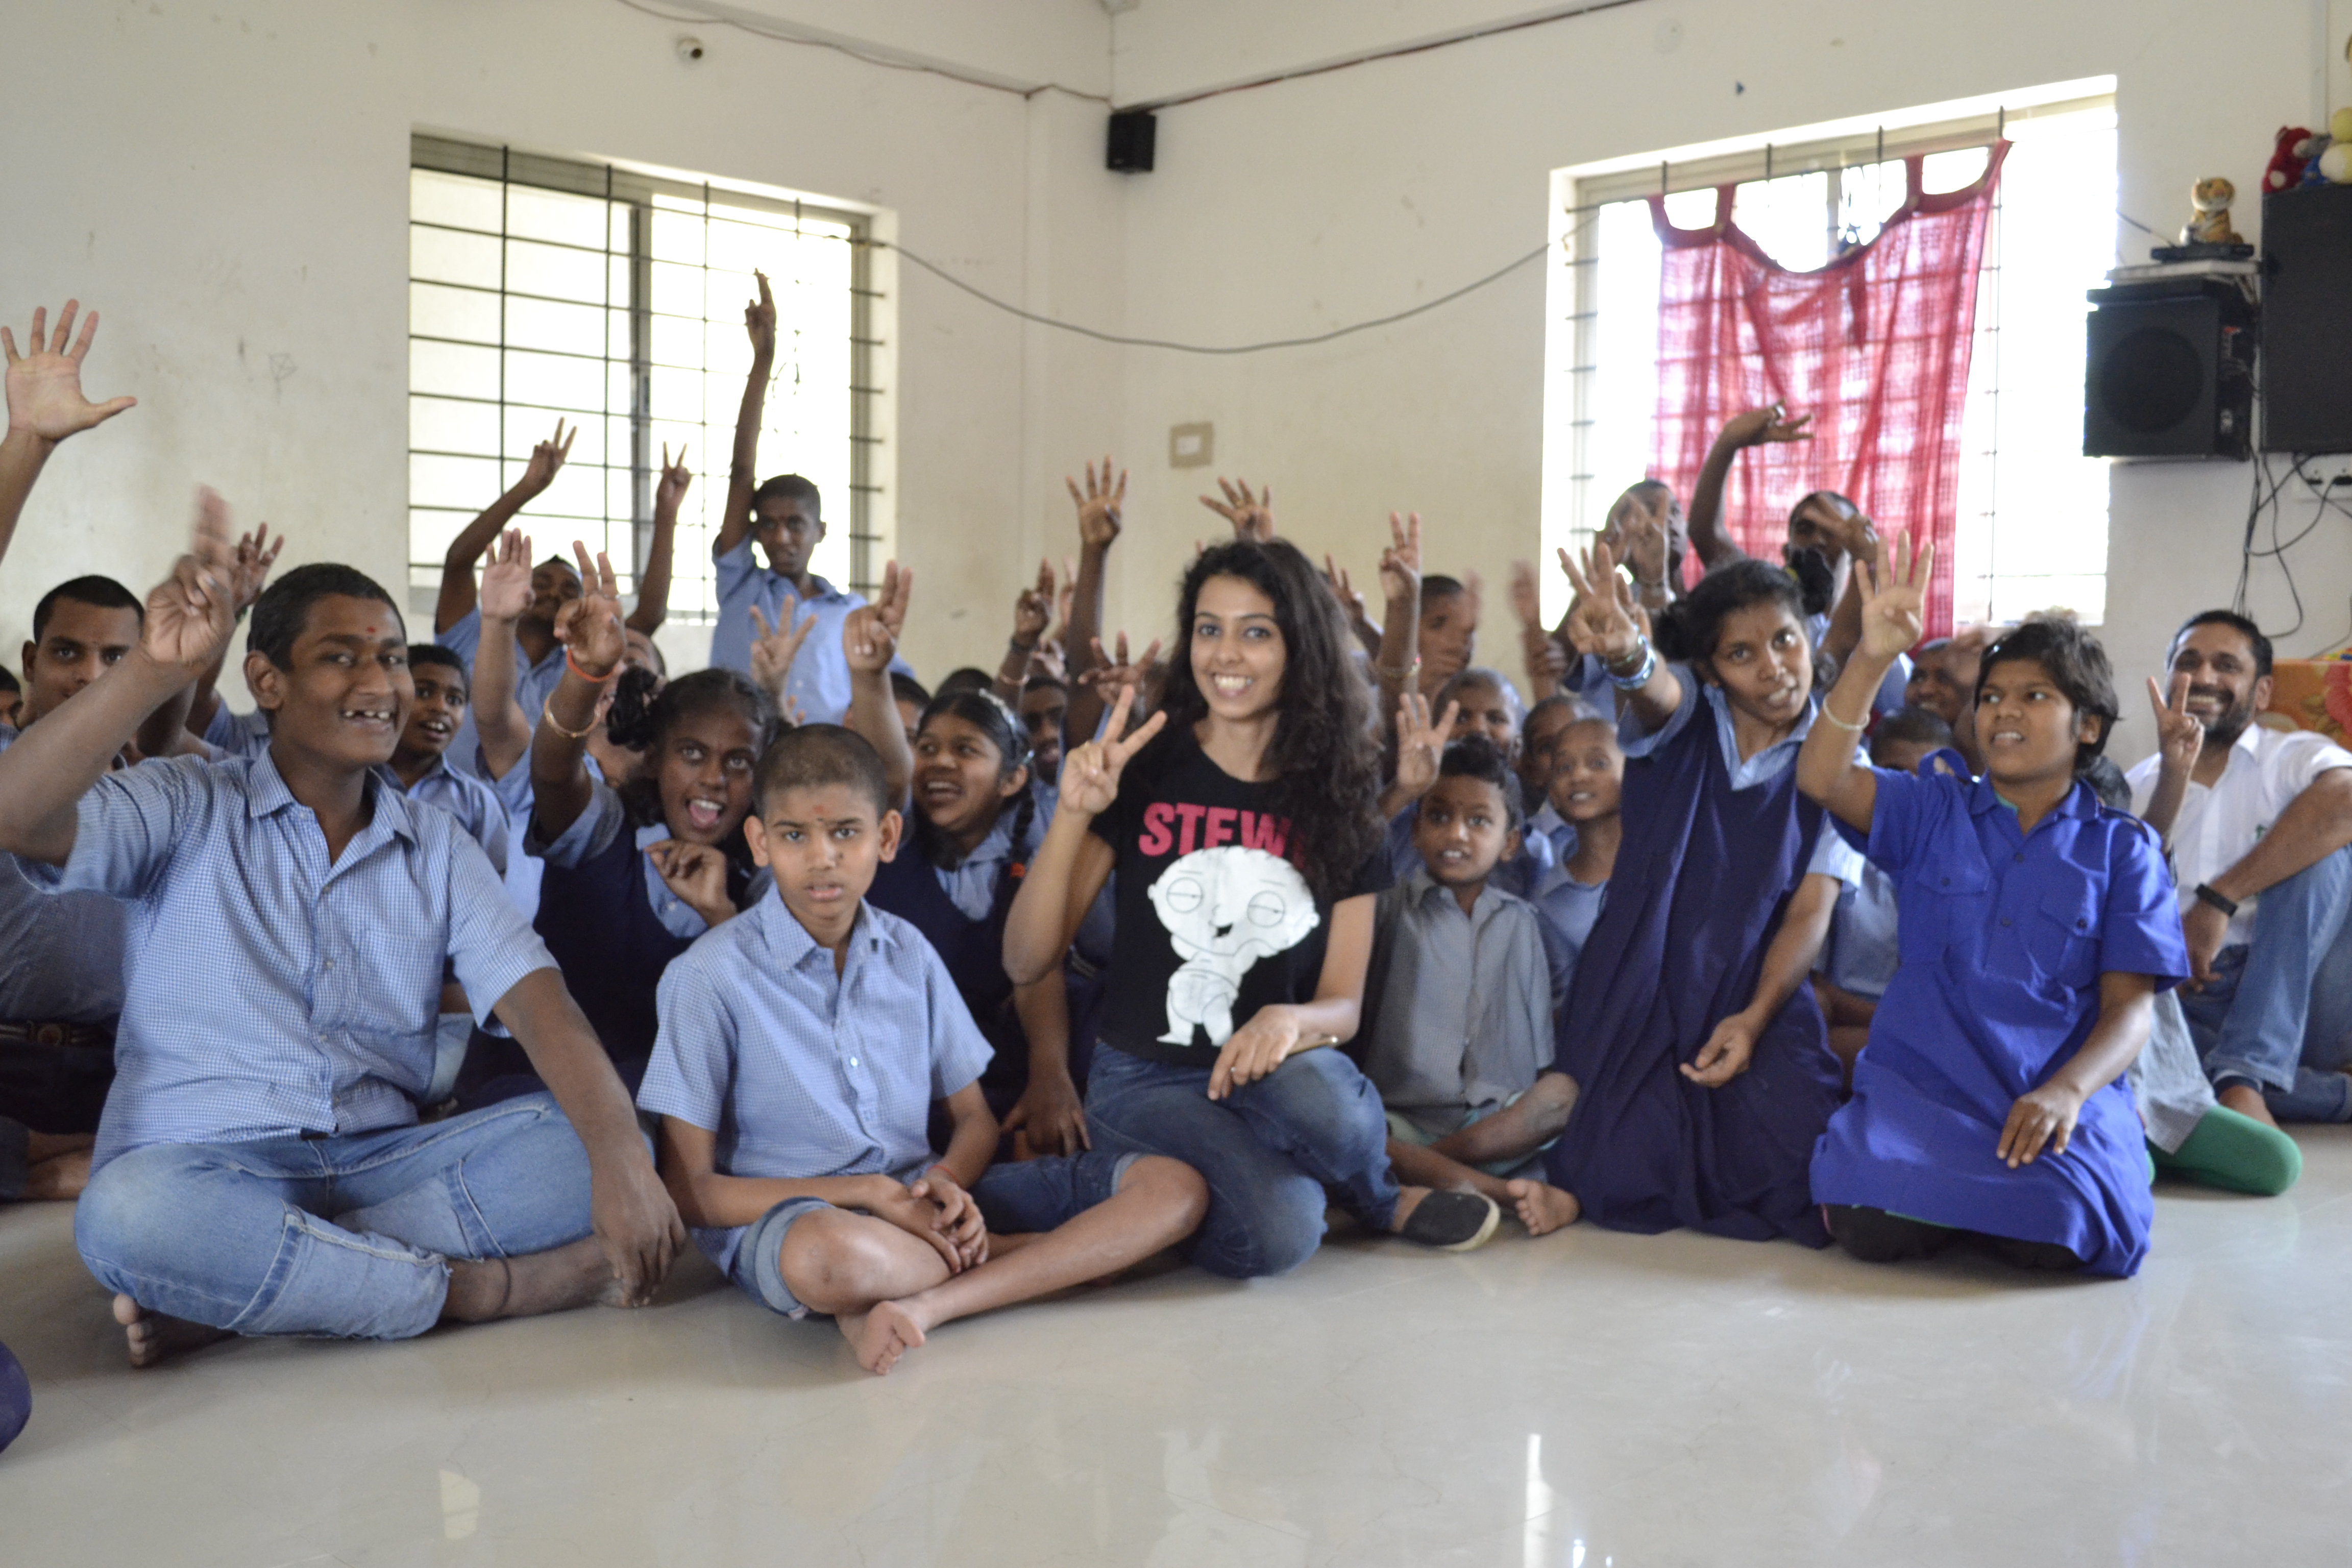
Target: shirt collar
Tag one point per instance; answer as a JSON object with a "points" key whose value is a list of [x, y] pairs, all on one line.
{"points": [[383, 771], [1422, 885], [265, 795], [789, 941], [1724, 725], [2081, 800]]}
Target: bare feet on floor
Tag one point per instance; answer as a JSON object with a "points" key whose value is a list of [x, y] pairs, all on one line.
{"points": [[2247, 1101], [1542, 1207], [553, 1281], [879, 1337], [154, 1338]]}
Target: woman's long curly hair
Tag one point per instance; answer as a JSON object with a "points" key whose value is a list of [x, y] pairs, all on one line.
{"points": [[1323, 767]]}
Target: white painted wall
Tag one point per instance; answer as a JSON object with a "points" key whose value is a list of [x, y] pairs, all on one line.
{"points": [[1347, 195], [227, 183]]}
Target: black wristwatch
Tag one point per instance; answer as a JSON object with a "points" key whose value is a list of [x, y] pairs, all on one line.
{"points": [[2206, 895]]}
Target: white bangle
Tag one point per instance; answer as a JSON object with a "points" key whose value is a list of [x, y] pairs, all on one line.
{"points": [[1849, 729]]}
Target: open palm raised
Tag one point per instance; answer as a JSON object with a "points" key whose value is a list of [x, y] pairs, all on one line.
{"points": [[44, 395], [1894, 599]]}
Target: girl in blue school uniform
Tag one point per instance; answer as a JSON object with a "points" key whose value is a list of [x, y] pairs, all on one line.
{"points": [[635, 872], [974, 828], [2036, 929]]}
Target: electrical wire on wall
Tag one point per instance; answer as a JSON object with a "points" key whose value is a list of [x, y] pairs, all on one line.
{"points": [[2267, 503]]}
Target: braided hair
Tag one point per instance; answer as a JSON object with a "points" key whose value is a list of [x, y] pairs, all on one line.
{"points": [[987, 713]]}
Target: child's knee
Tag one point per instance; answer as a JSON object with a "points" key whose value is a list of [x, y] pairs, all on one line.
{"points": [[1263, 1231], [835, 1261], [1172, 1185]]}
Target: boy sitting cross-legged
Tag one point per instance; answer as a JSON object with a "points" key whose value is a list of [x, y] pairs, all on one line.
{"points": [[802, 1044], [1460, 994]]}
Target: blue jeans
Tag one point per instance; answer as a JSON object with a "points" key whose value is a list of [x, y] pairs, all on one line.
{"points": [[338, 1237], [1269, 1151], [2276, 1012]]}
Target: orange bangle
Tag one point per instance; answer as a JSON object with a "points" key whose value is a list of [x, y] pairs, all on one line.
{"points": [[572, 665]]}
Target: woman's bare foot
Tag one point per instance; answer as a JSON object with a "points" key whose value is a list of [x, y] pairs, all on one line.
{"points": [[2247, 1101], [59, 1179], [880, 1336], [1542, 1207], [154, 1338], [552, 1282]]}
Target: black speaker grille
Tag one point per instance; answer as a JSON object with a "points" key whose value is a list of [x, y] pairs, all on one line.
{"points": [[2150, 381]]}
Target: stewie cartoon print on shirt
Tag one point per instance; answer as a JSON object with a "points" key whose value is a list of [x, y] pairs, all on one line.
{"points": [[1224, 909]]}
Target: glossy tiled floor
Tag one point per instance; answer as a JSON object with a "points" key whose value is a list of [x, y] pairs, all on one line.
{"points": [[1585, 1400]]}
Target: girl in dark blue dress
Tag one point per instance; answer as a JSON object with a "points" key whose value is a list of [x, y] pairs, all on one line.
{"points": [[974, 826], [2036, 929]]}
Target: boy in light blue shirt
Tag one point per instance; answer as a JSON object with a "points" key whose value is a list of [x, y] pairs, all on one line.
{"points": [[802, 1046]]}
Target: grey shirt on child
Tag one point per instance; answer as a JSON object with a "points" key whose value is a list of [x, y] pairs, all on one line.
{"points": [[1461, 1004]]}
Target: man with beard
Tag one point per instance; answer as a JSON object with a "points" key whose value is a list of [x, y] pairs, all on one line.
{"points": [[2257, 821]]}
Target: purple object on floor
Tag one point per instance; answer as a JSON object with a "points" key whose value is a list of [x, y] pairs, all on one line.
{"points": [[15, 1398]]}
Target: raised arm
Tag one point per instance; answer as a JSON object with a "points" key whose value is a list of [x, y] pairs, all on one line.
{"points": [[1420, 748], [1891, 618], [1251, 515], [653, 585], [1351, 607], [1396, 664], [498, 721], [869, 639], [589, 627], [457, 566], [742, 465], [1546, 660], [1101, 511], [45, 406], [1756, 427], [1604, 622], [2180, 737], [773, 648], [257, 554], [1031, 611], [53, 765], [1071, 865]]}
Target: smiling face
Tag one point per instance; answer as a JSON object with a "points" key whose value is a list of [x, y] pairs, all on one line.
{"points": [[1463, 830], [960, 781], [2223, 690], [440, 708], [1588, 772], [1933, 685], [822, 842], [343, 700], [1042, 712], [554, 584], [78, 644], [2027, 726], [789, 531], [1763, 663], [1237, 651], [704, 773]]}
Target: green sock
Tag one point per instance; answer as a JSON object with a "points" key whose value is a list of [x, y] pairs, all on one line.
{"points": [[2234, 1153]]}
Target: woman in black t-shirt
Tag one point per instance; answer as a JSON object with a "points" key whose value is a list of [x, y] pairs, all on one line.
{"points": [[1242, 820]]}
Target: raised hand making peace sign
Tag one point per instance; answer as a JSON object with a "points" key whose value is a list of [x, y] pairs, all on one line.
{"points": [[1090, 774], [1601, 621], [869, 636], [589, 627]]}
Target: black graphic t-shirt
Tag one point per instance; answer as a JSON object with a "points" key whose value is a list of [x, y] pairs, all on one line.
{"points": [[1214, 920]]}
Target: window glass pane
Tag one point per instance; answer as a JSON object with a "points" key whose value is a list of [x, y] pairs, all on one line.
{"points": [[452, 481], [544, 324], [527, 427], [453, 369], [678, 340], [534, 213], [440, 425], [444, 257], [578, 492], [435, 311], [1953, 171], [431, 532], [677, 237], [551, 271], [555, 382], [453, 199], [1789, 218], [678, 290]]}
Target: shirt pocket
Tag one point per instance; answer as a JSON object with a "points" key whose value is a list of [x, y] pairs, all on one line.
{"points": [[2066, 927], [1944, 906]]}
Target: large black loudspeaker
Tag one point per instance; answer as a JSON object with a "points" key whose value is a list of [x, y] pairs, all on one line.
{"points": [[2308, 319], [2171, 370]]}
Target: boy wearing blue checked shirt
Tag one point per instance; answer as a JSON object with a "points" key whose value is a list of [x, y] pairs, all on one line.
{"points": [[802, 1046], [259, 1167]]}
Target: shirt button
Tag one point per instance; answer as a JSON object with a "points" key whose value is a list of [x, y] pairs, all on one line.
{"points": [[331, 964], [853, 1061]]}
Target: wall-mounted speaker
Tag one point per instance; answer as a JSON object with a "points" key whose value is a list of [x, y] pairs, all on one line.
{"points": [[2169, 371], [1132, 134], [2308, 319]]}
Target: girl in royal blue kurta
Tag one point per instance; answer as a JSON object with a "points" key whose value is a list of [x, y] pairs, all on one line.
{"points": [[2036, 927], [974, 828]]}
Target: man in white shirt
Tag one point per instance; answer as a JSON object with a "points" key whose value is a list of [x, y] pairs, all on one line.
{"points": [[2257, 826]]}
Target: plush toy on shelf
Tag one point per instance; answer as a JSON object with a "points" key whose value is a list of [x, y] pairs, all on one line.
{"points": [[2209, 220], [2334, 162], [2291, 151]]}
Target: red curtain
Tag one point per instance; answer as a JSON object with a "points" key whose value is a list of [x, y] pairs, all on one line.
{"points": [[1875, 346]]}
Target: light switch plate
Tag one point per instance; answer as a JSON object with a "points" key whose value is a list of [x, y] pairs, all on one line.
{"points": [[1191, 446]]}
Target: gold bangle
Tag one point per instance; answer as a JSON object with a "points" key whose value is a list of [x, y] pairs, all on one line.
{"points": [[1849, 729], [547, 717]]}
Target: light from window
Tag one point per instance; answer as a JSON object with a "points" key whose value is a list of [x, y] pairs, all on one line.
{"points": [[620, 309], [2032, 524]]}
